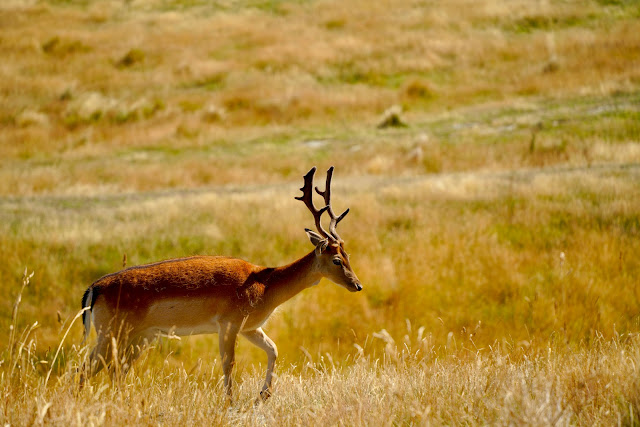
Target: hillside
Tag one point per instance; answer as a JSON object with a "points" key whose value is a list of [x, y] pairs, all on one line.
{"points": [[495, 229]]}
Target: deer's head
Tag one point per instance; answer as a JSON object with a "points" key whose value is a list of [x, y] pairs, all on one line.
{"points": [[331, 258]]}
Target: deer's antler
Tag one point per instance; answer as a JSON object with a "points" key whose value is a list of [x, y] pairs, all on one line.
{"points": [[307, 198], [326, 194]]}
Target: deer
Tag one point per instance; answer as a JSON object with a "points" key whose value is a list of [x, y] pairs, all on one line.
{"points": [[210, 294]]}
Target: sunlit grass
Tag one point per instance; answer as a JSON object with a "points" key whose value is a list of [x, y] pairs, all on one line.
{"points": [[217, 82], [413, 381], [495, 235], [444, 251]]}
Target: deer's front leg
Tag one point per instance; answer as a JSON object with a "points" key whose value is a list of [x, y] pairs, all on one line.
{"points": [[260, 339], [227, 339]]}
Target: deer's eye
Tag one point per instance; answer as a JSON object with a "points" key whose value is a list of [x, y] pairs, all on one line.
{"points": [[336, 261]]}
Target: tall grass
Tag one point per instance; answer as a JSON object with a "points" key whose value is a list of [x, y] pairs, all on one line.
{"points": [[446, 251], [197, 94], [496, 235], [410, 382], [517, 305]]}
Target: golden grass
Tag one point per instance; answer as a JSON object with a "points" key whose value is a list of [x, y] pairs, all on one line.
{"points": [[464, 269], [445, 251], [212, 75], [496, 235], [382, 382]]}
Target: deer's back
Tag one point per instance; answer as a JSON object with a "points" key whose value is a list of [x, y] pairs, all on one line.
{"points": [[182, 277]]}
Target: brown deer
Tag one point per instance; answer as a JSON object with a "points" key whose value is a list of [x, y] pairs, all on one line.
{"points": [[210, 294]]}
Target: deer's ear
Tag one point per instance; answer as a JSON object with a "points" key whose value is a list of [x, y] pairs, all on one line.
{"points": [[314, 237], [317, 240]]}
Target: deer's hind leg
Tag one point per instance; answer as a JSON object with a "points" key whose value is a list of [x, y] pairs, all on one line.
{"points": [[113, 349], [99, 357], [134, 348]]}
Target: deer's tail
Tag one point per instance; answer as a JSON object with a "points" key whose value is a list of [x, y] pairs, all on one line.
{"points": [[88, 300]]}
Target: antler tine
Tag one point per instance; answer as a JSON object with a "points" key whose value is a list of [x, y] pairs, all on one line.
{"points": [[326, 194], [307, 198]]}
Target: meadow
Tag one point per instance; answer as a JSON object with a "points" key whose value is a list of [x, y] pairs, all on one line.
{"points": [[495, 229]]}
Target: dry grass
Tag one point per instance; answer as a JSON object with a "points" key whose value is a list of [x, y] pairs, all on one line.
{"points": [[197, 95], [502, 327], [380, 382], [496, 235]]}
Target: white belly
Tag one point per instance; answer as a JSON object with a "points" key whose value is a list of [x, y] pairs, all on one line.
{"points": [[181, 317], [211, 328], [184, 317]]}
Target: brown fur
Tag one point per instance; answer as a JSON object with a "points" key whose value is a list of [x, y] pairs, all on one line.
{"points": [[135, 288]]}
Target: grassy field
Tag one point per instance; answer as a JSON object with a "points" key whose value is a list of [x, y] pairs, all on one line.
{"points": [[496, 232]]}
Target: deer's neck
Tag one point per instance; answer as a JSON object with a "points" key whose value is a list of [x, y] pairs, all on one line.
{"points": [[286, 282]]}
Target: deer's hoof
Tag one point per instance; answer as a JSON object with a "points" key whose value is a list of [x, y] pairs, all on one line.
{"points": [[264, 395]]}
